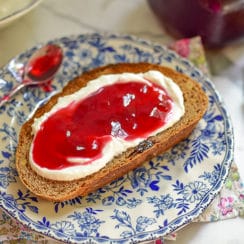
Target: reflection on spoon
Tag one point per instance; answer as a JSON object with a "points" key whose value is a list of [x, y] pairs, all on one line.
{"points": [[40, 69]]}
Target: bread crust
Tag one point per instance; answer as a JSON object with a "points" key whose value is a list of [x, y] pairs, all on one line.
{"points": [[195, 101]]}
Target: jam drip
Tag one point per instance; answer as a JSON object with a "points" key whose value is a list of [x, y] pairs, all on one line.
{"points": [[127, 111]]}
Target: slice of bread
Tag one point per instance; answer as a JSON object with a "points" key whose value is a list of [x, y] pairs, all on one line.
{"points": [[195, 101]]}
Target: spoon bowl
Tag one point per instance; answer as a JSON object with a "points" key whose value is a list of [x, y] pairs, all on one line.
{"points": [[40, 69]]}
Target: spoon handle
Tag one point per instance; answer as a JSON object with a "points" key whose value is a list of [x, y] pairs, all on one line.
{"points": [[9, 95]]}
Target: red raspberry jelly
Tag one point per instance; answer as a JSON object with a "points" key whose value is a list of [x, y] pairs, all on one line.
{"points": [[44, 66], [127, 111]]}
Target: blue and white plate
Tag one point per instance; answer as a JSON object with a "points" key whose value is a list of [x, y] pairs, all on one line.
{"points": [[164, 194]]}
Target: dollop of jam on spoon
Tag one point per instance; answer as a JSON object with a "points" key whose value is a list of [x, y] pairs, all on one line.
{"points": [[39, 70]]}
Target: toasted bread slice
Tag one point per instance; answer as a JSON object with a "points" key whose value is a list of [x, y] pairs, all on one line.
{"points": [[195, 101]]}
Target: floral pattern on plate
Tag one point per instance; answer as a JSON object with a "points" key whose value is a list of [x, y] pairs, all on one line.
{"points": [[173, 188]]}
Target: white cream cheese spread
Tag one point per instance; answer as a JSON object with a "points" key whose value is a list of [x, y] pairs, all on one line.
{"points": [[118, 140]]}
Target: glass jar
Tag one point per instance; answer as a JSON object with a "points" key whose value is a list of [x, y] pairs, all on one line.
{"points": [[217, 21]]}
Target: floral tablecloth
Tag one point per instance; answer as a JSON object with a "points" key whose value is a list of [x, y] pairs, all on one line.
{"points": [[229, 203]]}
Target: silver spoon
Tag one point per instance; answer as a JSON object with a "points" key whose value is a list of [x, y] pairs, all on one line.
{"points": [[41, 68]]}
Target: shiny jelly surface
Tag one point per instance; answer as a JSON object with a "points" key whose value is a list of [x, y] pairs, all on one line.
{"points": [[127, 111], [44, 66]]}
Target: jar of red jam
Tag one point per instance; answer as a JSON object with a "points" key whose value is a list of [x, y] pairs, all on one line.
{"points": [[218, 22]]}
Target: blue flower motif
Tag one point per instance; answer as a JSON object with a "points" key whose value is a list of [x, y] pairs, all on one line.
{"points": [[133, 202], [143, 223], [120, 201], [71, 44], [125, 221], [87, 221], [140, 180], [87, 53], [140, 177], [212, 177], [209, 131], [161, 204], [215, 175], [218, 147], [71, 69], [64, 227], [143, 56], [194, 191]]}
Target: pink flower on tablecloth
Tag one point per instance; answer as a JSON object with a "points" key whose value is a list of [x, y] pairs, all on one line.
{"points": [[182, 47], [226, 205]]}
